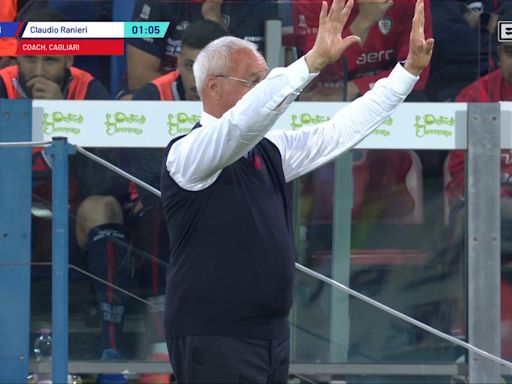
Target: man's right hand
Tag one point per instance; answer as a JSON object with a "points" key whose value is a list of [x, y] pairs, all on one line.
{"points": [[329, 45], [42, 88]]}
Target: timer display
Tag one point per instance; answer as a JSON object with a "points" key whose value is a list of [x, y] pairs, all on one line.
{"points": [[149, 30], [145, 29]]}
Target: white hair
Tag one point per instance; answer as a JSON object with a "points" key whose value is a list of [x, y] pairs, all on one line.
{"points": [[215, 57]]}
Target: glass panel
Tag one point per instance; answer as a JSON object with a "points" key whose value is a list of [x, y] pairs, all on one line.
{"points": [[406, 230], [139, 257], [401, 248], [118, 257], [377, 347]]}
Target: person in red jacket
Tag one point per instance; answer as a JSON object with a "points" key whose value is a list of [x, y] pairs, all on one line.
{"points": [[148, 59], [494, 87], [379, 191], [383, 27]]}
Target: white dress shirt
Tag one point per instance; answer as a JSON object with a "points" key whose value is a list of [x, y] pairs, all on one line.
{"points": [[195, 161]]}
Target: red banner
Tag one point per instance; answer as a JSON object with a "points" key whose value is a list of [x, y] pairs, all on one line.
{"points": [[84, 47]]}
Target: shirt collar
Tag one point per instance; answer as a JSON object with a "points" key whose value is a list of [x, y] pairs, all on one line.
{"points": [[207, 119]]}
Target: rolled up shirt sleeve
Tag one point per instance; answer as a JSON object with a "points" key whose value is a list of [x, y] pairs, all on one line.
{"points": [[195, 161], [309, 148]]}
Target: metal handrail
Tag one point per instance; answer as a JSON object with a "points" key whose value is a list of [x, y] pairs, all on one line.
{"points": [[118, 170], [300, 267], [331, 282], [17, 144]]}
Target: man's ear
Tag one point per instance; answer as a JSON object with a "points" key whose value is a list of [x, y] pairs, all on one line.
{"points": [[212, 87], [69, 61]]}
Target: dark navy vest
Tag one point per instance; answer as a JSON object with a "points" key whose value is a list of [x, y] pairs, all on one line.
{"points": [[231, 251]]}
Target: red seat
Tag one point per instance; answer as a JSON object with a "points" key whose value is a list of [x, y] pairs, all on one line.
{"points": [[387, 191], [388, 186]]}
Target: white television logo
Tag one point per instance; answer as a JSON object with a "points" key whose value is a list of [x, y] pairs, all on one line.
{"points": [[504, 31]]}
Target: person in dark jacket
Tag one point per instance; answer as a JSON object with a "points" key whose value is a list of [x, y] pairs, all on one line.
{"points": [[466, 48], [148, 59]]}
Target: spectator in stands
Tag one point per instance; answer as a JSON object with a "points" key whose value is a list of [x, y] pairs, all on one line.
{"points": [[148, 59], [227, 206], [176, 85], [10, 11], [99, 228], [88, 10], [383, 27], [494, 87], [466, 51]]}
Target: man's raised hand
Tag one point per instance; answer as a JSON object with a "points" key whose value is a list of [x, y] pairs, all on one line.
{"points": [[420, 51], [329, 45]]}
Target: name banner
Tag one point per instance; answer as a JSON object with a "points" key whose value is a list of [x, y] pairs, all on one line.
{"points": [[91, 29], [83, 47], [155, 123]]}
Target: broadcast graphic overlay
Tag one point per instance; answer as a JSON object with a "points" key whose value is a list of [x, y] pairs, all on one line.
{"points": [[78, 38], [504, 31]]}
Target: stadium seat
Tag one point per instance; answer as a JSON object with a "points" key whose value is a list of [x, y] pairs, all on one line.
{"points": [[387, 200], [388, 186]]}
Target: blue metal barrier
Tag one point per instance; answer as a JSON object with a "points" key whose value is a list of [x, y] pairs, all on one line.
{"points": [[59, 152], [15, 234]]}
